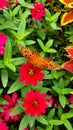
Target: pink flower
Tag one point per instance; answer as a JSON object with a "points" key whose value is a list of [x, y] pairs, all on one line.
{"points": [[3, 39], [70, 99], [1, 50], [3, 126], [38, 11], [12, 101], [30, 74], [26, 128], [35, 103], [3, 4]]}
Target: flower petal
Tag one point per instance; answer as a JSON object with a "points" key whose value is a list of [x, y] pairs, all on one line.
{"points": [[66, 2], [68, 66], [69, 50], [70, 5], [67, 18]]}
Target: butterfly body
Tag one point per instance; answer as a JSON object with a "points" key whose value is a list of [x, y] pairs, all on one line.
{"points": [[34, 58]]}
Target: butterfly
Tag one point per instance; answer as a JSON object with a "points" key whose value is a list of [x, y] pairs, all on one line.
{"points": [[36, 60]]}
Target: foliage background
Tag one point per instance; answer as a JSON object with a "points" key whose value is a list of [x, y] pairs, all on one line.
{"points": [[49, 39]]}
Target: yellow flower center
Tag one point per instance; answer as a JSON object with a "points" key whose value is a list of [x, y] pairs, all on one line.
{"points": [[31, 72]]}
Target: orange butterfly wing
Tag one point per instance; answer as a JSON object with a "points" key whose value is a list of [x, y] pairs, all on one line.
{"points": [[35, 59]]}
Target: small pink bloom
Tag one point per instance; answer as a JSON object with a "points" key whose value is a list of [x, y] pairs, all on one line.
{"points": [[70, 99], [1, 50], [35, 103], [56, 103], [38, 11], [3, 126], [50, 99], [30, 74], [12, 101], [3, 39], [3, 4], [26, 128]]}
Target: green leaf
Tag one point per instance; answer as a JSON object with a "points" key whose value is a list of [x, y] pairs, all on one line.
{"points": [[71, 105], [67, 90], [25, 4], [63, 100], [15, 11], [1, 90], [60, 111], [57, 89], [42, 34], [42, 120], [1, 64], [24, 122], [68, 125], [67, 115], [54, 18], [17, 110], [2, 101], [49, 43], [49, 127], [51, 50], [41, 44], [61, 83], [54, 26], [8, 25], [31, 121], [55, 122], [4, 77], [15, 86], [11, 66], [22, 24], [29, 42], [18, 60], [1, 110], [51, 113], [8, 52]]}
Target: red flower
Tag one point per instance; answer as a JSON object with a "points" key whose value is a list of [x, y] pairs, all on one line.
{"points": [[3, 126], [35, 103], [30, 74], [3, 4], [38, 11], [70, 99], [12, 101]]}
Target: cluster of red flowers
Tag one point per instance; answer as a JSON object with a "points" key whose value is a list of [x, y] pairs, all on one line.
{"points": [[7, 108]]}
